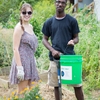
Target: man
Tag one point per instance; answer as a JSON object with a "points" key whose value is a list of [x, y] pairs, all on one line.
{"points": [[63, 31]]}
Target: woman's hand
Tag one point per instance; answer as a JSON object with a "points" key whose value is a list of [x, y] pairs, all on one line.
{"points": [[20, 73]]}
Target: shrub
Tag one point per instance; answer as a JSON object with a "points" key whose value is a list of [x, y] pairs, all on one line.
{"points": [[27, 94]]}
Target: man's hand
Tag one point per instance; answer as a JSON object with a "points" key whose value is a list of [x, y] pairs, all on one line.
{"points": [[56, 54], [20, 73], [71, 42]]}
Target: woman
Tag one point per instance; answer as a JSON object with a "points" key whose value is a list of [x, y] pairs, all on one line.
{"points": [[23, 69]]}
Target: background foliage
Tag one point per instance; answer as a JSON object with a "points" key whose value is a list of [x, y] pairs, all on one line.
{"points": [[88, 47]]}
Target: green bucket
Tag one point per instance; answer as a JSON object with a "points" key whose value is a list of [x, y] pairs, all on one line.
{"points": [[71, 69]]}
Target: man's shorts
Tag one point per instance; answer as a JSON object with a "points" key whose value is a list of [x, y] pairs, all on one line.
{"points": [[53, 77]]}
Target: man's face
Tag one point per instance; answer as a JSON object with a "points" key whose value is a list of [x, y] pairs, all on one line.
{"points": [[60, 5]]}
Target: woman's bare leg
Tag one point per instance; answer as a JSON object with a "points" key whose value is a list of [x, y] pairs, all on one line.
{"points": [[22, 85], [30, 84]]}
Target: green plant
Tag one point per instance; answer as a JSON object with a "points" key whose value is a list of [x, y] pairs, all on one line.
{"points": [[27, 94], [89, 48], [5, 47]]}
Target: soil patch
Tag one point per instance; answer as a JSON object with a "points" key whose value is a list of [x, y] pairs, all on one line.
{"points": [[46, 93]]}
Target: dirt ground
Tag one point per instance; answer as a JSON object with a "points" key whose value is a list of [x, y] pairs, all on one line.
{"points": [[48, 93]]}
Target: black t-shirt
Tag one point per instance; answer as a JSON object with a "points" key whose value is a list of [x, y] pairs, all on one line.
{"points": [[61, 31]]}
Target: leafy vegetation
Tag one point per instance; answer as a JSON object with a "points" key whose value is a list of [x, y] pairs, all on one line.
{"points": [[31, 93], [5, 5], [28, 94], [89, 48], [5, 47], [9, 10]]}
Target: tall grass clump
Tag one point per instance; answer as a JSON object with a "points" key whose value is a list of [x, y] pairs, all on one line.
{"points": [[89, 48], [5, 47]]}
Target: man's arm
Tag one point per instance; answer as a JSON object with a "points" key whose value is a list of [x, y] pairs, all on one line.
{"points": [[46, 43], [74, 41], [55, 53]]}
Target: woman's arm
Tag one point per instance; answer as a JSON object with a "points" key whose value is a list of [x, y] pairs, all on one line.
{"points": [[16, 43]]}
